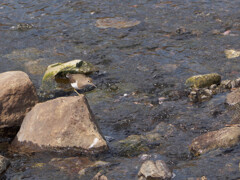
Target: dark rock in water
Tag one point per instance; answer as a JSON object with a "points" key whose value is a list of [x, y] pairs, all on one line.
{"points": [[117, 22], [4, 164], [63, 124], [78, 165], [201, 81], [223, 138], [154, 170], [17, 97], [131, 146]]}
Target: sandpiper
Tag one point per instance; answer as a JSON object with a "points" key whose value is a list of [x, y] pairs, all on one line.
{"points": [[79, 81]]}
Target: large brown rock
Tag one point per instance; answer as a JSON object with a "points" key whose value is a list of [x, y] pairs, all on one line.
{"points": [[64, 123], [223, 138], [17, 97]]}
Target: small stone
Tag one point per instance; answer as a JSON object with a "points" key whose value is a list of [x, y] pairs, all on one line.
{"points": [[154, 170], [226, 84], [231, 53], [237, 83], [99, 176], [207, 92], [213, 86]]}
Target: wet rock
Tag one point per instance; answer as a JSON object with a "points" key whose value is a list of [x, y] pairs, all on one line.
{"points": [[62, 124], [4, 164], [78, 165], [201, 81], [154, 170], [117, 23], [17, 97], [131, 146], [223, 138], [58, 71], [99, 176], [231, 53], [233, 98]]}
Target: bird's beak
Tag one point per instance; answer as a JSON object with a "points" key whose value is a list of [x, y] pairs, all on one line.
{"points": [[93, 85]]}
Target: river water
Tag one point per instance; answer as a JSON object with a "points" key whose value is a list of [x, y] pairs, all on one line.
{"points": [[137, 66]]}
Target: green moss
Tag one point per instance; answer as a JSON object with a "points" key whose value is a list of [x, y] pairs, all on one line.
{"points": [[201, 81], [47, 76]]}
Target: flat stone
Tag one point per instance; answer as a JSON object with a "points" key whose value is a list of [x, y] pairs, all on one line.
{"points": [[232, 53]]}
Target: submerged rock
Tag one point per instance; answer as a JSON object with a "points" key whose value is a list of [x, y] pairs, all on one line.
{"points": [[201, 81], [79, 165], [4, 164], [27, 54], [62, 124], [133, 145], [17, 97], [223, 138], [117, 22], [154, 170], [58, 71]]}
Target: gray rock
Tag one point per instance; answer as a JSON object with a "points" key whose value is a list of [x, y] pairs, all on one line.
{"points": [[154, 170]]}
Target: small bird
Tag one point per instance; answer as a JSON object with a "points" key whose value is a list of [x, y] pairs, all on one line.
{"points": [[79, 81]]}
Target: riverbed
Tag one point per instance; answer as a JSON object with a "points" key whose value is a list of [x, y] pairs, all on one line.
{"points": [[141, 78]]}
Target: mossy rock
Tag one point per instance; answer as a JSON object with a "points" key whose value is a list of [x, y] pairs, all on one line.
{"points": [[205, 80], [131, 146], [58, 71]]}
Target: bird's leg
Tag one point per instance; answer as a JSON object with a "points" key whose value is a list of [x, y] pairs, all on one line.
{"points": [[77, 92]]}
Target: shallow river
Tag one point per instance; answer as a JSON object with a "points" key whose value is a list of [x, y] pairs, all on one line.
{"points": [[137, 66]]}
